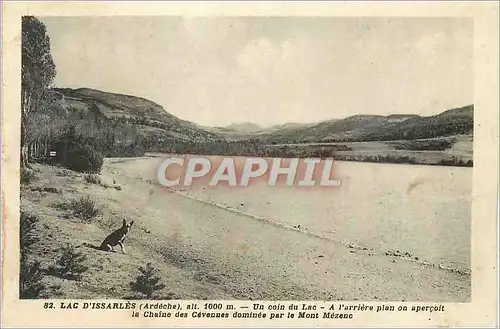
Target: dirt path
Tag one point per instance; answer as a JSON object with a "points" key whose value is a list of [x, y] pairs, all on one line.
{"points": [[206, 252]]}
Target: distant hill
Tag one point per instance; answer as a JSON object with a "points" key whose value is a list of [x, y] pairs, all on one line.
{"points": [[377, 128], [244, 131], [246, 127], [287, 126], [459, 121], [125, 124], [151, 121], [235, 131]]}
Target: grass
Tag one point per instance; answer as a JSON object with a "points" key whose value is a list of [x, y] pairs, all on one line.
{"points": [[47, 279], [84, 208], [65, 173], [108, 222], [95, 179], [92, 179]]}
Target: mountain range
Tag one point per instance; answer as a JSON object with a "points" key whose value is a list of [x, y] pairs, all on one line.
{"points": [[153, 122], [360, 128]]}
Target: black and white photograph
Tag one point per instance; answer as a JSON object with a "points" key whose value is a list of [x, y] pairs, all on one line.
{"points": [[105, 99]]}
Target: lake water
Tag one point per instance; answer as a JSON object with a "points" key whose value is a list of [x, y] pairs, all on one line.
{"points": [[422, 210]]}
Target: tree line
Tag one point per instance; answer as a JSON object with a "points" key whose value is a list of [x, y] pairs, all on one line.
{"points": [[37, 74], [48, 125]]}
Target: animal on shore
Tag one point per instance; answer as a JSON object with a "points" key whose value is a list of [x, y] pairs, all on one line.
{"points": [[117, 238], [114, 239]]}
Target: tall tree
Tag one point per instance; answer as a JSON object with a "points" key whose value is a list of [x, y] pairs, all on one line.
{"points": [[37, 74]]}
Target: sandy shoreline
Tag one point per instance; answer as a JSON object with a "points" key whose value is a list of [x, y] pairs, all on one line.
{"points": [[303, 258], [207, 252], [378, 207]]}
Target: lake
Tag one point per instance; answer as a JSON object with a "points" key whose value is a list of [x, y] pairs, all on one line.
{"points": [[424, 211]]}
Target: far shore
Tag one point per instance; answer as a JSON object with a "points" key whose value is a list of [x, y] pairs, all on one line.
{"points": [[452, 151]]}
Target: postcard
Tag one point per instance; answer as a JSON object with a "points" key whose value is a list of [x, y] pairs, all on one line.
{"points": [[270, 164]]}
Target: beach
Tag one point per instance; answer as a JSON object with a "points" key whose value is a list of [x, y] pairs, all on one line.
{"points": [[207, 248]]}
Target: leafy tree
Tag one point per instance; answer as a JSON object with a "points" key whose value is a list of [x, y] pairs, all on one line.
{"points": [[45, 125], [77, 152], [37, 73], [84, 158]]}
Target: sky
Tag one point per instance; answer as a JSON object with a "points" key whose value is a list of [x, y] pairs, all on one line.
{"points": [[216, 71]]}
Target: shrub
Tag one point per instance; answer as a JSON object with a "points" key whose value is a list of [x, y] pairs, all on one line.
{"points": [[84, 208], [84, 158], [27, 175], [30, 279], [147, 283], [70, 264], [27, 227], [77, 152], [92, 178], [30, 274]]}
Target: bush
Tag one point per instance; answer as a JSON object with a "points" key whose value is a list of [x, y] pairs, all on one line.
{"points": [[77, 152], [30, 274], [92, 178], [84, 158], [70, 264], [147, 283], [84, 208], [27, 228], [27, 175], [30, 279]]}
